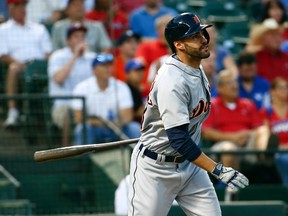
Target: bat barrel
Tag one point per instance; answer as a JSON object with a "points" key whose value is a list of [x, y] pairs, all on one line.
{"points": [[65, 152]]}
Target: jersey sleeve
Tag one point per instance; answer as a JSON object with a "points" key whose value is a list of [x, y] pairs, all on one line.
{"points": [[172, 102]]}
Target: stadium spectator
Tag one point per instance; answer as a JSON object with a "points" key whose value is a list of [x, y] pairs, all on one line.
{"points": [[276, 9], [224, 59], [209, 67], [150, 51], [142, 19], [126, 47], [135, 72], [106, 98], [22, 41], [114, 19], [66, 68], [128, 6], [250, 84], [233, 121], [4, 15], [276, 119], [154, 67], [45, 11], [96, 37], [265, 40]]}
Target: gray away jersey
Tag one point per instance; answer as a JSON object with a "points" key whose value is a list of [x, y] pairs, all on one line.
{"points": [[179, 95]]}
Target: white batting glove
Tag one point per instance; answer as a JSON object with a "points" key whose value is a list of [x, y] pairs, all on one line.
{"points": [[229, 176]]}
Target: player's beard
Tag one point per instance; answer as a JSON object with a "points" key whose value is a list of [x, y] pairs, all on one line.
{"points": [[201, 52]]}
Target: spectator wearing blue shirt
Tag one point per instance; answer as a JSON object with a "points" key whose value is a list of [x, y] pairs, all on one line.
{"points": [[142, 19], [251, 85], [4, 15], [224, 59], [209, 67]]}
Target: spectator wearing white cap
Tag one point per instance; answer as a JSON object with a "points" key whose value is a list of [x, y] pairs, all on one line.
{"points": [[106, 98], [265, 40]]}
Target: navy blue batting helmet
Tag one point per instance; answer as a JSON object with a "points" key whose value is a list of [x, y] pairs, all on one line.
{"points": [[182, 26]]}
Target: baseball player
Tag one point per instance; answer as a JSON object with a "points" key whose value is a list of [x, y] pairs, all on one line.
{"points": [[167, 162]]}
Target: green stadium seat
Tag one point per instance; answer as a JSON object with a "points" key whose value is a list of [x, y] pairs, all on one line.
{"points": [[3, 72], [237, 32], [35, 77], [15, 207], [253, 208], [220, 12], [7, 190], [49, 27], [247, 208]]}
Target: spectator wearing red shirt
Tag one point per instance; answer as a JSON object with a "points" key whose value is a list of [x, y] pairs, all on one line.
{"points": [[128, 5], [151, 50], [276, 119], [112, 17], [265, 41], [233, 121], [126, 47]]}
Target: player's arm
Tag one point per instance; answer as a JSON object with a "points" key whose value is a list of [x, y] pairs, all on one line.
{"points": [[181, 141]]}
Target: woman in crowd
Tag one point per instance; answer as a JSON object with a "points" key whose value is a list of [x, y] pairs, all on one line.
{"points": [[276, 118]]}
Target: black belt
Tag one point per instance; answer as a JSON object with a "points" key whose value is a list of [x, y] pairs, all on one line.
{"points": [[153, 155]]}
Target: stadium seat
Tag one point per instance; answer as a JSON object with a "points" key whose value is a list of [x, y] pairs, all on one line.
{"points": [[35, 77], [223, 12], [238, 32], [234, 36], [3, 72], [16, 207]]}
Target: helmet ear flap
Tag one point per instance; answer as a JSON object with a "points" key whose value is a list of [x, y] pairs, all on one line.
{"points": [[206, 35]]}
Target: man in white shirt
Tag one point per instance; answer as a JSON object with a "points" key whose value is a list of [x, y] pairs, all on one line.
{"points": [[106, 98], [45, 11], [22, 41], [96, 37], [66, 68]]}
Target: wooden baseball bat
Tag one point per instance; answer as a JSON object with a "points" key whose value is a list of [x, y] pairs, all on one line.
{"points": [[70, 151]]}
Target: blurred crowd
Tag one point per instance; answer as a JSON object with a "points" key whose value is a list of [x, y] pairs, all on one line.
{"points": [[109, 51]]}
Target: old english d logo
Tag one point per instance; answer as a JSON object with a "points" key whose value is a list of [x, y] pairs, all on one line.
{"points": [[196, 19], [201, 108]]}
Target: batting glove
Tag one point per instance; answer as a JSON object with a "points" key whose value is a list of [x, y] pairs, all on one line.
{"points": [[229, 176]]}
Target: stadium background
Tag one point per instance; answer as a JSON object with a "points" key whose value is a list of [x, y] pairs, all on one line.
{"points": [[86, 184]]}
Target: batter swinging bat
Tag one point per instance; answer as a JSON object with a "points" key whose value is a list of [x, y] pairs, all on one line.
{"points": [[64, 152]]}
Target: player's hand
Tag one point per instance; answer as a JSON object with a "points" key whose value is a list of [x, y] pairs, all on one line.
{"points": [[229, 176]]}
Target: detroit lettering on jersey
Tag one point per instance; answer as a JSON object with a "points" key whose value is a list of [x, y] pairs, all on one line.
{"points": [[201, 108]]}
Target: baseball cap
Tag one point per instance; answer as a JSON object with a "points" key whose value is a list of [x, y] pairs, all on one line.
{"points": [[125, 36], [16, 2], [102, 58], [75, 27], [134, 64]]}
